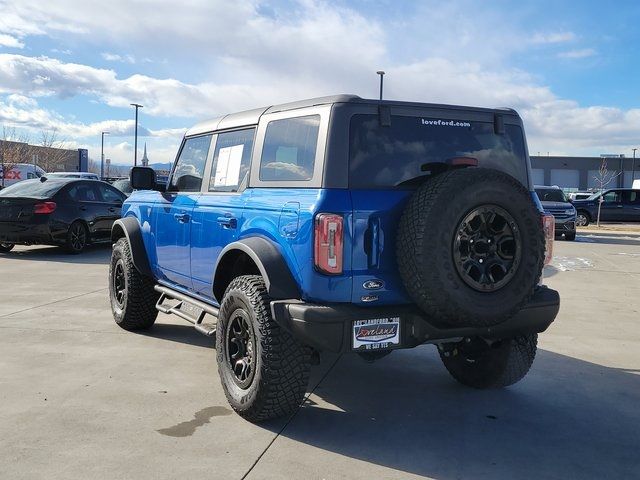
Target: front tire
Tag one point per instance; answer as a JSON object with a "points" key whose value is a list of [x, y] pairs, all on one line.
{"points": [[6, 247], [133, 298], [263, 369], [583, 219], [476, 364]]}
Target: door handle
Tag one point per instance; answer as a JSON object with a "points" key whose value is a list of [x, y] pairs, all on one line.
{"points": [[82, 207], [228, 222], [113, 209], [181, 217]]}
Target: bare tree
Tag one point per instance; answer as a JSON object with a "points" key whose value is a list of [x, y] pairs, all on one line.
{"points": [[53, 154], [603, 178], [14, 149]]}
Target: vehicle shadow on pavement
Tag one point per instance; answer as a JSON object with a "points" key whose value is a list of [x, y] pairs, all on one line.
{"points": [[567, 419], [94, 254]]}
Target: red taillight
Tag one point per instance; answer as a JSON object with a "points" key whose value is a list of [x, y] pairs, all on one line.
{"points": [[328, 243], [549, 228], [44, 207]]}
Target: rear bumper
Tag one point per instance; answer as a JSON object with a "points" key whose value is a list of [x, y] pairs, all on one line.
{"points": [[566, 225], [16, 232], [328, 327]]}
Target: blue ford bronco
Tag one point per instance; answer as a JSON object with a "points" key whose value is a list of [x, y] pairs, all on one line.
{"points": [[341, 224]]}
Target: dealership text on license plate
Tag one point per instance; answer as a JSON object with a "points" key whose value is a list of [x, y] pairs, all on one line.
{"points": [[376, 333]]}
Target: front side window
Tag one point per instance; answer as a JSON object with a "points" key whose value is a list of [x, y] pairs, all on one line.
{"points": [[612, 197], [289, 151], [110, 194], [189, 169], [231, 160]]}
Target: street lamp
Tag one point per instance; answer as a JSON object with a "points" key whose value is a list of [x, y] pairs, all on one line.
{"points": [[381, 73], [102, 155], [135, 142], [633, 167]]}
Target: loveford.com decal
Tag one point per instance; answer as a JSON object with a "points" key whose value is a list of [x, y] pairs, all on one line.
{"points": [[444, 123]]}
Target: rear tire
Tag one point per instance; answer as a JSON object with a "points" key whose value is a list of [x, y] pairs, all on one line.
{"points": [[77, 238], [6, 247], [263, 369], [478, 365], [133, 299]]}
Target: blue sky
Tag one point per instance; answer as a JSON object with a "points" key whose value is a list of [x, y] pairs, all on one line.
{"points": [[74, 66]]}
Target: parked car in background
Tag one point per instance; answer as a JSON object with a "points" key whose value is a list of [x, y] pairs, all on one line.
{"points": [[85, 175], [124, 185], [58, 211], [618, 205], [555, 203], [18, 172], [579, 196]]}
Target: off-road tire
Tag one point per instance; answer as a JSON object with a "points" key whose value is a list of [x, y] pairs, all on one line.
{"points": [[425, 249], [570, 236], [500, 365], [6, 247], [281, 365], [76, 246], [137, 310]]}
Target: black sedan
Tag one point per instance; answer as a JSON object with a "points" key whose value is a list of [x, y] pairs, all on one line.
{"points": [[58, 211]]}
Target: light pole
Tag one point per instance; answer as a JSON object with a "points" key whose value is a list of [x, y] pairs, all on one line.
{"points": [[102, 155], [135, 142], [633, 167], [381, 73]]}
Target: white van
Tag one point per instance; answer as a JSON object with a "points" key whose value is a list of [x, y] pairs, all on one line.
{"points": [[18, 172]]}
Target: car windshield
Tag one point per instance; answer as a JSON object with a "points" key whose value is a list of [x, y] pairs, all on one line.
{"points": [[393, 156], [33, 189], [550, 195]]}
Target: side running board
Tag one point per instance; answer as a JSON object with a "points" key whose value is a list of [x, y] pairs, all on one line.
{"points": [[187, 308]]}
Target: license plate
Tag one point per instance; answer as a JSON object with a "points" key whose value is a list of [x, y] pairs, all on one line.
{"points": [[375, 334]]}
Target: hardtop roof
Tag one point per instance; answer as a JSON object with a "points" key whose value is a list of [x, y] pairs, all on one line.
{"points": [[252, 117]]}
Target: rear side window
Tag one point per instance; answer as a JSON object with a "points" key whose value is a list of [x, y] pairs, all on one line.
{"points": [[231, 160], [393, 156], [189, 169], [83, 192], [289, 150]]}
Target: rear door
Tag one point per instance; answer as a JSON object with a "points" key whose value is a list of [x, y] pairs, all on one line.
{"points": [[174, 210], [86, 204], [217, 216], [388, 162], [631, 205]]}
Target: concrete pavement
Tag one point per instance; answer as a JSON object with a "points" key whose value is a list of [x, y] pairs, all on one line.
{"points": [[81, 398]]}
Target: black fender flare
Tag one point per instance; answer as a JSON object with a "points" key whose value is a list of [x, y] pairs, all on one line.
{"points": [[129, 227], [268, 258]]}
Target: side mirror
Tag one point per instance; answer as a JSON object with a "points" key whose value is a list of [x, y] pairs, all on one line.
{"points": [[143, 178]]}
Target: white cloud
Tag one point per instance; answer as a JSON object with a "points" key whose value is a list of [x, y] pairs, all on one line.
{"points": [[580, 53], [553, 37], [114, 57], [9, 41]]}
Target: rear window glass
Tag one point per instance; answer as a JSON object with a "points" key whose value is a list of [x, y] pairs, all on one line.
{"points": [[550, 195], [289, 151], [392, 156], [32, 188]]}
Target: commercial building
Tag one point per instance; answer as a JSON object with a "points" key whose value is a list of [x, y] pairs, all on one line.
{"points": [[583, 173], [50, 159]]}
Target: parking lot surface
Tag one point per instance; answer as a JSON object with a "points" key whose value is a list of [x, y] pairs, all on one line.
{"points": [[81, 398]]}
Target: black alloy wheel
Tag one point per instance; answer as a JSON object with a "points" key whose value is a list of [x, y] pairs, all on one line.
{"points": [[487, 248], [240, 345], [77, 237], [119, 280]]}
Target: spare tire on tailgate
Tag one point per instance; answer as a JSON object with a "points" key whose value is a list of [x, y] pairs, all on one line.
{"points": [[470, 247]]}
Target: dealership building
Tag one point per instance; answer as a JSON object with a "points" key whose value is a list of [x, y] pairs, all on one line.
{"points": [[583, 173], [50, 159]]}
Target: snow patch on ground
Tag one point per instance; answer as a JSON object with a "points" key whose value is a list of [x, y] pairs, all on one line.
{"points": [[568, 264]]}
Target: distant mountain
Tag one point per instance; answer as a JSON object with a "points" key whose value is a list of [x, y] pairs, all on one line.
{"points": [[161, 166]]}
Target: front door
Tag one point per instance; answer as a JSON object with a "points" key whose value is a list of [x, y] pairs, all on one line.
{"points": [[611, 208], [217, 216], [173, 213]]}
